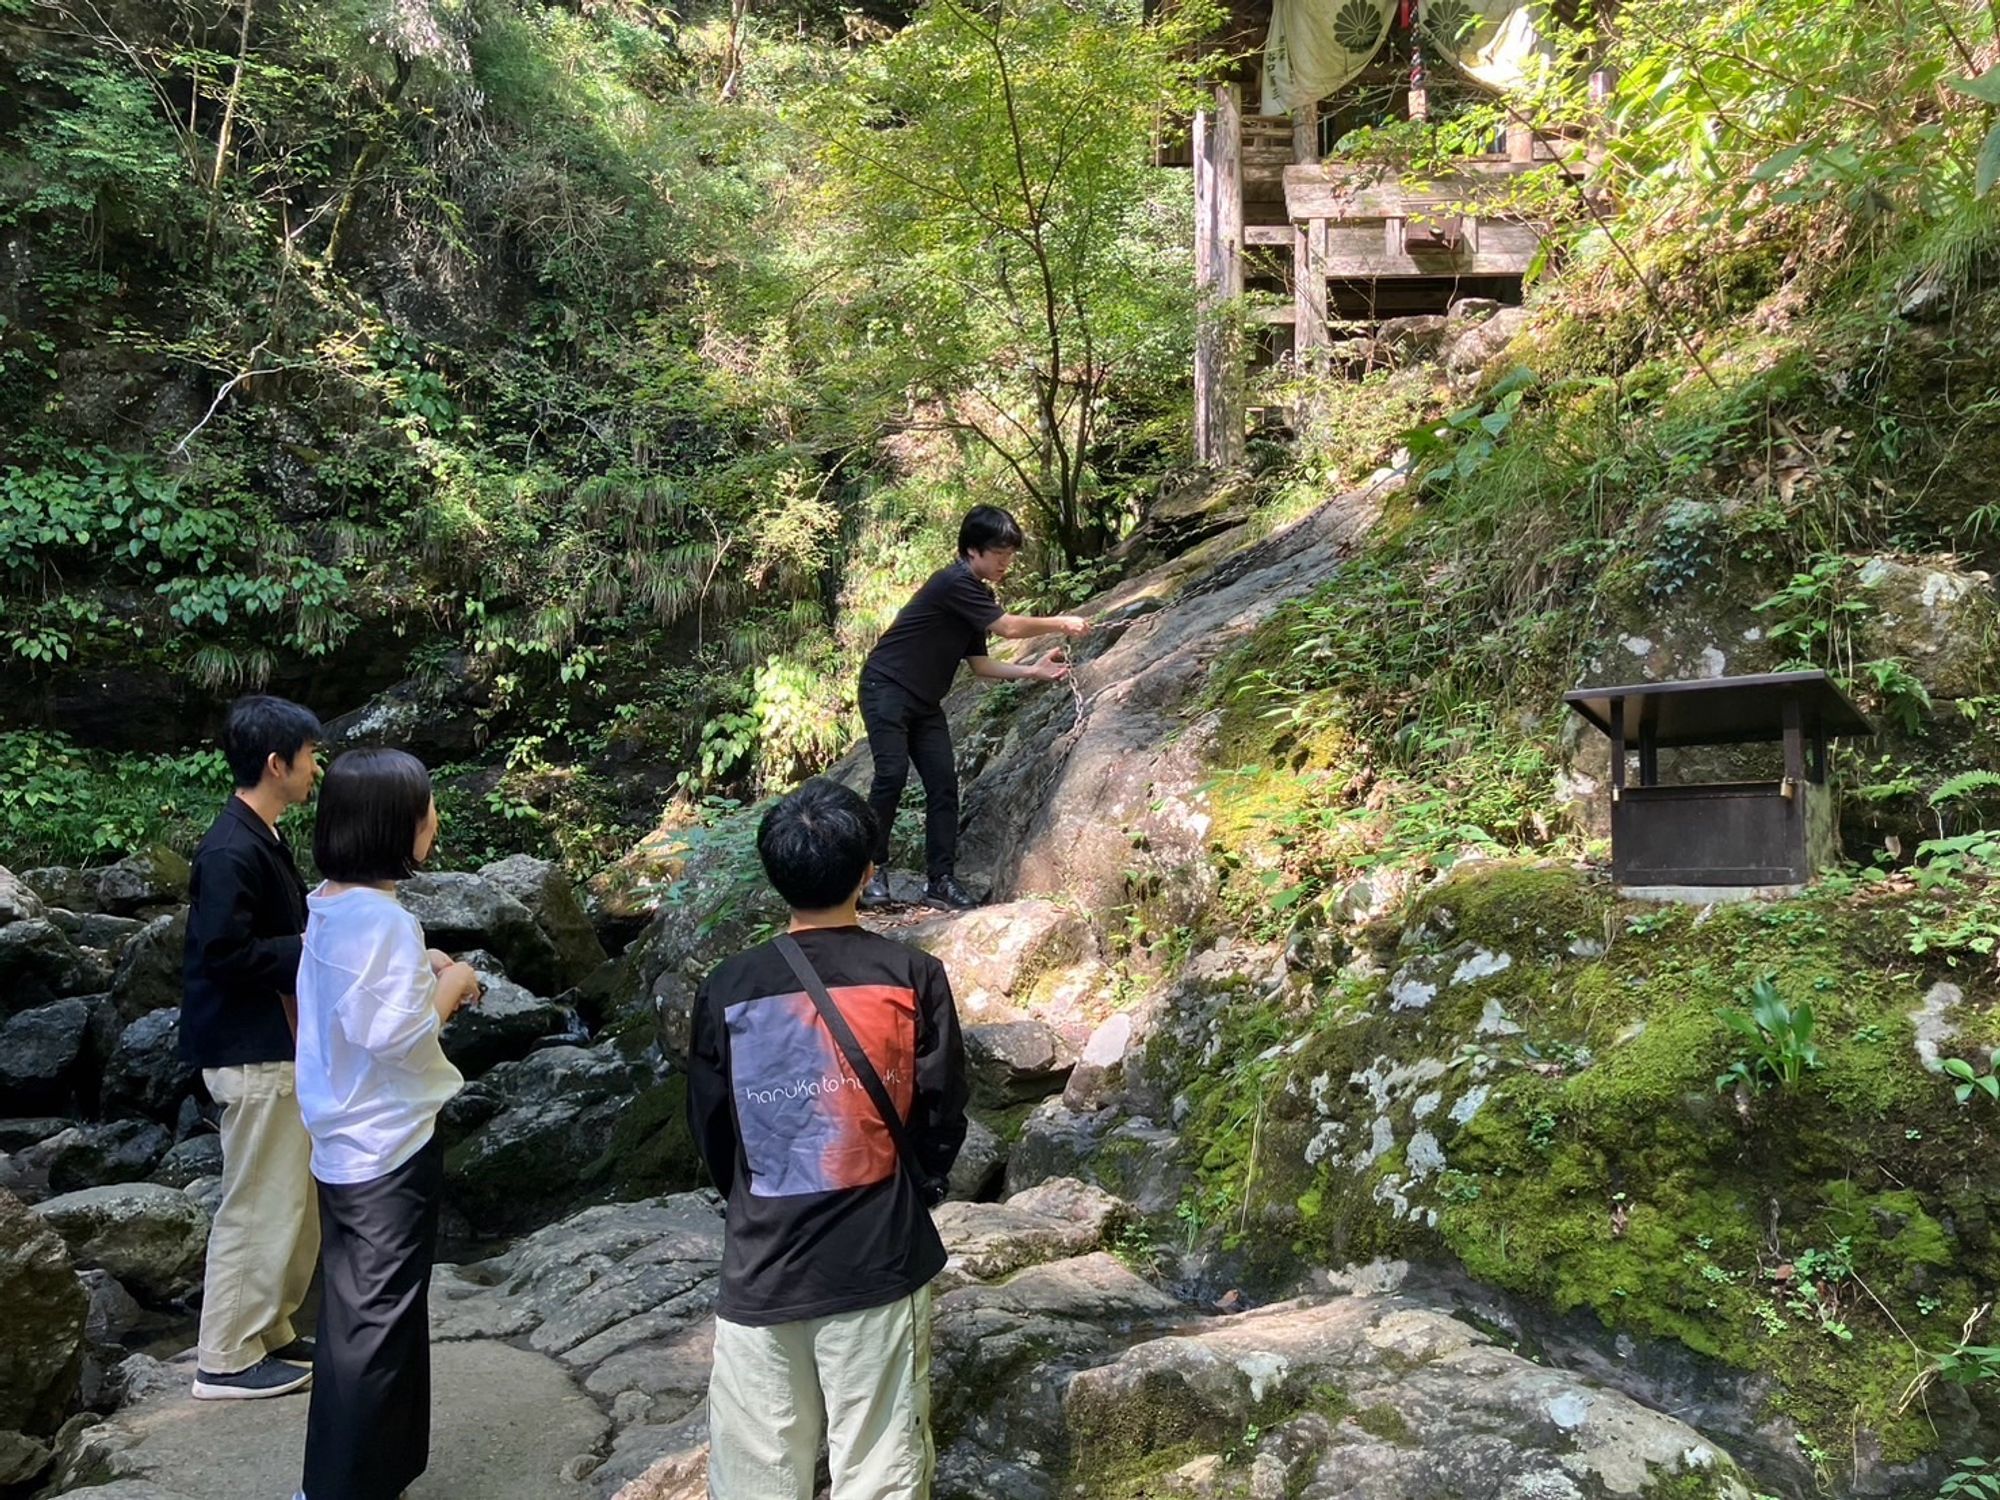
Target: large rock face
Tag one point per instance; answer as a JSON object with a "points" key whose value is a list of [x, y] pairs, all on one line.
{"points": [[461, 911], [42, 1332], [1094, 811], [50, 1057], [1942, 621], [1379, 1399], [146, 1075], [18, 902], [149, 975], [541, 886], [150, 1238]]}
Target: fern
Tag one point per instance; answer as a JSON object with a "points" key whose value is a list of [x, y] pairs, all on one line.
{"points": [[1966, 786]]}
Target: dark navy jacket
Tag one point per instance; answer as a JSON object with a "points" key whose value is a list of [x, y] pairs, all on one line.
{"points": [[243, 938]]}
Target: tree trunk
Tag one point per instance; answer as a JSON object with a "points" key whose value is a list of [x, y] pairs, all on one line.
{"points": [[732, 81], [364, 164], [222, 139]]}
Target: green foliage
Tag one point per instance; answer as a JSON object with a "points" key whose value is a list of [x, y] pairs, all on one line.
{"points": [[1969, 1364], [104, 162], [62, 805], [1813, 617], [1010, 240], [1467, 439], [1971, 1479], [1971, 1080], [1780, 1039]]}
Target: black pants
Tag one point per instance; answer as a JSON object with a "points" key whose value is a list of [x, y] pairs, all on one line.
{"points": [[903, 729], [368, 1434]]}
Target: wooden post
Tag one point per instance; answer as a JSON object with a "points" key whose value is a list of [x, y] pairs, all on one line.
{"points": [[1305, 134], [1420, 91], [1520, 142], [1309, 250], [1816, 767], [1218, 356], [1618, 739], [1649, 753], [1795, 749]]}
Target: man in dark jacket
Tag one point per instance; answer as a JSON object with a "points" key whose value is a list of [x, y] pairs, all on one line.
{"points": [[823, 1320], [237, 1024], [905, 678]]}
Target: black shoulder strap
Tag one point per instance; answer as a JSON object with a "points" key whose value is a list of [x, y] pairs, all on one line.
{"points": [[843, 1036]]}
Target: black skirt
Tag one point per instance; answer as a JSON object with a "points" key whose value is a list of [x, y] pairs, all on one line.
{"points": [[368, 1434]]}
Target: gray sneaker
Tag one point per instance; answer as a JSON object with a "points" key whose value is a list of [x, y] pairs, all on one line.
{"points": [[268, 1377]]}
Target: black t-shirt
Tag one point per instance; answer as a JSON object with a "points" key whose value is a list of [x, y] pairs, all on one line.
{"points": [[821, 1218], [944, 623]]}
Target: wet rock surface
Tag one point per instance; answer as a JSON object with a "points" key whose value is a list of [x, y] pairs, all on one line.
{"points": [[149, 1237], [42, 1332]]}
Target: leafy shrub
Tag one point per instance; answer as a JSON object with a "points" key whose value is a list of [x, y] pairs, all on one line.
{"points": [[60, 805], [1780, 1039]]}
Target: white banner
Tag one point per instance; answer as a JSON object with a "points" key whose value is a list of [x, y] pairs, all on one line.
{"points": [[1316, 46]]}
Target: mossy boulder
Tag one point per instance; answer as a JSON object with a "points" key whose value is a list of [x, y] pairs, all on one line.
{"points": [[1554, 1125], [41, 1347]]}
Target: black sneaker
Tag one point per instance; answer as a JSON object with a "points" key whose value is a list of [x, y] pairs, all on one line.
{"points": [[298, 1352], [876, 892], [945, 891], [268, 1377]]}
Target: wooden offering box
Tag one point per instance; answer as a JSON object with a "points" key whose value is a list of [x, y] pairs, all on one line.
{"points": [[1727, 835]]}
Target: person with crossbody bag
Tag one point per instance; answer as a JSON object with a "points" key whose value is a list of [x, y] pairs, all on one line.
{"points": [[826, 1092]]}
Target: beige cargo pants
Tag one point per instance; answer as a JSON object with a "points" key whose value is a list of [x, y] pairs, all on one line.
{"points": [[265, 1240], [865, 1377]]}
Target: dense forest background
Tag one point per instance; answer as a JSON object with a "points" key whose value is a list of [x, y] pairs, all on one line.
{"points": [[598, 377]]}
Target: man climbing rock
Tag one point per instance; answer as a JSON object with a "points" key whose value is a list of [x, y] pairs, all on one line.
{"points": [[905, 678]]}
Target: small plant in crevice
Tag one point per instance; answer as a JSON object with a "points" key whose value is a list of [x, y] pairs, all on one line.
{"points": [[1969, 1364], [1898, 692], [1814, 615], [1811, 1286], [1465, 442], [1970, 1080], [1779, 1039]]}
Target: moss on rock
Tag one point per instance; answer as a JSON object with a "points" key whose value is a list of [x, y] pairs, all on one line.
{"points": [[1579, 1152]]}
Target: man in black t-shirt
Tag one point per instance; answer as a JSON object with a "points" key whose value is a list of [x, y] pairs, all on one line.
{"points": [[906, 676], [823, 1319]]}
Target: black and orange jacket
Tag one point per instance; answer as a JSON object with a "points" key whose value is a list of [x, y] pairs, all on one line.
{"points": [[821, 1219]]}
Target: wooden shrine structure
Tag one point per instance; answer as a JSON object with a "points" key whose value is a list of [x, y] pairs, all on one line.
{"points": [[1356, 243], [1703, 838]]}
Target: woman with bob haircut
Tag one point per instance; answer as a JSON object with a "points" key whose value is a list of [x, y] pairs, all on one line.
{"points": [[371, 1079]]}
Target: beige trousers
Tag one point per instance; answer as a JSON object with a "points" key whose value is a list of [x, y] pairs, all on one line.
{"points": [[265, 1240], [865, 1377]]}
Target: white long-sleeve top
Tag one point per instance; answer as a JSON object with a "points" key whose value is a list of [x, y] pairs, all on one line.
{"points": [[371, 1074]]}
